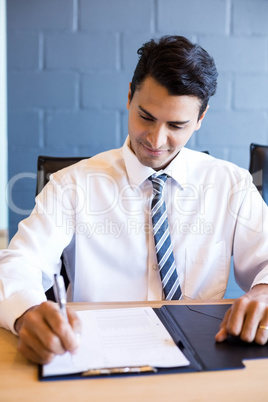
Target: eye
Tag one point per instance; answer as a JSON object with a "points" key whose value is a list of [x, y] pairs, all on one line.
{"points": [[146, 118], [173, 126]]}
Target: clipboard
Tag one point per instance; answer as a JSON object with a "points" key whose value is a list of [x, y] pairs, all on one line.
{"points": [[193, 328]]}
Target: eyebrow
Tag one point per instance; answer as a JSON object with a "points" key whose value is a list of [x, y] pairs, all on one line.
{"points": [[170, 122]]}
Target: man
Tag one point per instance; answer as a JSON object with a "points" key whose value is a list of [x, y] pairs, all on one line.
{"points": [[99, 212]]}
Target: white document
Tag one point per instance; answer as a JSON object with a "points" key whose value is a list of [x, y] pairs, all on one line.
{"points": [[124, 337]]}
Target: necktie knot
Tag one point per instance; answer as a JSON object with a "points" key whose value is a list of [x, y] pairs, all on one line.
{"points": [[158, 183]]}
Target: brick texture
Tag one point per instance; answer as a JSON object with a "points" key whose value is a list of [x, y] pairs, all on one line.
{"points": [[42, 90], [87, 126], [23, 50], [118, 15], [250, 92], [70, 63], [188, 16], [83, 52], [23, 129], [250, 17], [238, 54], [38, 15], [95, 93]]}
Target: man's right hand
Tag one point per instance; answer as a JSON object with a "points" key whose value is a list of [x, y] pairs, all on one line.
{"points": [[44, 332]]}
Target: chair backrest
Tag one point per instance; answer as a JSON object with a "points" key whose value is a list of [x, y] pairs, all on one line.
{"points": [[46, 165], [258, 167]]}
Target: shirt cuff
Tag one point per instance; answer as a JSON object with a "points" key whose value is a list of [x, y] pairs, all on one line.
{"points": [[13, 307], [261, 278]]}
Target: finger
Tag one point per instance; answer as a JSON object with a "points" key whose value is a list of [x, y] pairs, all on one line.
{"points": [[36, 334], [222, 333], [262, 335], [254, 314], [262, 330], [61, 337], [35, 351], [44, 324], [243, 320], [237, 316], [64, 329], [76, 325], [74, 320], [44, 332]]}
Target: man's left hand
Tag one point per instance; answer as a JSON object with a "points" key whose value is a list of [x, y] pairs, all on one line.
{"points": [[248, 317]]}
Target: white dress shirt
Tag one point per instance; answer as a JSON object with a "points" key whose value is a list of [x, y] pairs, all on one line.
{"points": [[100, 207]]}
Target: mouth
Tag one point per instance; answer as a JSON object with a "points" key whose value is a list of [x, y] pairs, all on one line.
{"points": [[153, 152]]}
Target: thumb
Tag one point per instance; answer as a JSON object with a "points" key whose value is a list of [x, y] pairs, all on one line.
{"points": [[74, 320]]}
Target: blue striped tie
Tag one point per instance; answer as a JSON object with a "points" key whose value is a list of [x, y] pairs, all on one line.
{"points": [[164, 252]]}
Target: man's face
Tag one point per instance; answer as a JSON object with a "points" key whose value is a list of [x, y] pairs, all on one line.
{"points": [[160, 124]]}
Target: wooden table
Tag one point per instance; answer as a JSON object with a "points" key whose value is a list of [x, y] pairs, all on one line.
{"points": [[19, 382]]}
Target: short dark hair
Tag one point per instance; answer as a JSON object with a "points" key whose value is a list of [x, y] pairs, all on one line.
{"points": [[182, 67]]}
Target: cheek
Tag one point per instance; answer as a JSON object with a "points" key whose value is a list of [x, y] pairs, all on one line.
{"points": [[178, 140], [135, 127]]}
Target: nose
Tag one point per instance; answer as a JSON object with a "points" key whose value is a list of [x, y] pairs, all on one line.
{"points": [[157, 137]]}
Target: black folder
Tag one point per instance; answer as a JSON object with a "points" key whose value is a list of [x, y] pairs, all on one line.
{"points": [[193, 329]]}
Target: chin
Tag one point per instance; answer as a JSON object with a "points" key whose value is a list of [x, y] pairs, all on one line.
{"points": [[155, 166]]}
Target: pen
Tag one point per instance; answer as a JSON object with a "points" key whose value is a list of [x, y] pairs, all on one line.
{"points": [[60, 294], [119, 370]]}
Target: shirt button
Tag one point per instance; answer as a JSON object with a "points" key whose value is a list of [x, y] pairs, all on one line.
{"points": [[155, 267]]}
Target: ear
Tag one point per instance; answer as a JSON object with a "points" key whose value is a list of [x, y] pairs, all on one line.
{"points": [[201, 118], [129, 96]]}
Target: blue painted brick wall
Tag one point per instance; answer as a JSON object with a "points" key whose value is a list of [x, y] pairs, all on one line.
{"points": [[70, 63]]}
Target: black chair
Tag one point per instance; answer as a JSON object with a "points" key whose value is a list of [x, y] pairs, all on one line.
{"points": [[46, 165], [258, 167]]}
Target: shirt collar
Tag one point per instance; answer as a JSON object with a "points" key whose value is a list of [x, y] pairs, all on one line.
{"points": [[138, 173]]}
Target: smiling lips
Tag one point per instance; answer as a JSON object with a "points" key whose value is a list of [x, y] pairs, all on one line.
{"points": [[154, 152]]}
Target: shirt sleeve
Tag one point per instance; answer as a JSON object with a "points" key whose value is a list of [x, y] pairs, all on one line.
{"points": [[250, 249], [33, 256]]}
